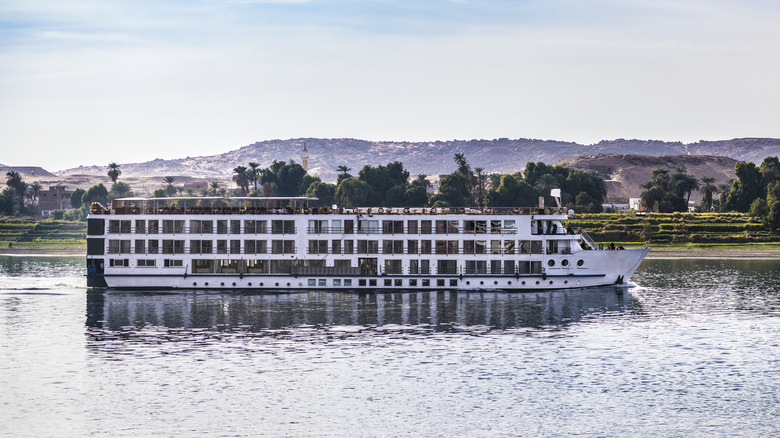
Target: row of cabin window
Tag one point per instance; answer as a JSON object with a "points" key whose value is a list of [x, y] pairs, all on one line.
{"points": [[391, 267], [335, 226], [336, 247], [435, 247]]}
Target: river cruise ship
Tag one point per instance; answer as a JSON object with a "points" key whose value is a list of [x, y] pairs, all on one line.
{"points": [[281, 244]]}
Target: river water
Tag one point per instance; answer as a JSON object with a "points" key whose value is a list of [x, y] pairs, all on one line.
{"points": [[693, 349]]}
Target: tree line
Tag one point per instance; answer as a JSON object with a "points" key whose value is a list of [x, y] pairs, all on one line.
{"points": [[755, 190]]}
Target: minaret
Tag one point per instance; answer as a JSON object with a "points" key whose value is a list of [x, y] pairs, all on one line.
{"points": [[305, 158]]}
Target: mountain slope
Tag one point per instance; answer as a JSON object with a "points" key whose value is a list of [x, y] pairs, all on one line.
{"points": [[624, 174], [499, 155]]}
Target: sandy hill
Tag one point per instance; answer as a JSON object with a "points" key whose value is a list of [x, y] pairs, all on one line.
{"points": [[624, 173], [502, 155]]}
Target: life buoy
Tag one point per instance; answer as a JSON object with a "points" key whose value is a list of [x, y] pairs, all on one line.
{"points": [[433, 210], [406, 210], [381, 210]]}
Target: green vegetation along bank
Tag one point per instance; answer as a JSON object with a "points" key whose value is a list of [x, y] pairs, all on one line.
{"points": [[675, 228], [39, 235]]}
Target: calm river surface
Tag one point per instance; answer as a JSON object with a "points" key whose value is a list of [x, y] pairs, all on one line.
{"points": [[692, 350]]}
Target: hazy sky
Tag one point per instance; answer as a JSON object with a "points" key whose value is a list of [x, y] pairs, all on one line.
{"points": [[94, 81]]}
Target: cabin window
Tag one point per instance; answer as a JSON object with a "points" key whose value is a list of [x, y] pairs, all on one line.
{"points": [[495, 247], [425, 247], [154, 246], [336, 246], [282, 246], [318, 247], [495, 267], [336, 227], [536, 247], [495, 227], [509, 267], [393, 267], [281, 266], [413, 247], [368, 247], [368, 226], [392, 227], [446, 267], [283, 227], [146, 263], [256, 266], [221, 246], [172, 263], [342, 263], [173, 247], [509, 247], [523, 267], [536, 267], [222, 227], [228, 267], [202, 266], [140, 226], [249, 247], [317, 227], [119, 247], [153, 227], [139, 246], [349, 227], [413, 282], [425, 227], [235, 227], [468, 247], [119, 262], [117, 226], [475, 227], [173, 226], [411, 227], [349, 246], [414, 267], [392, 246], [235, 247], [509, 227], [250, 227]]}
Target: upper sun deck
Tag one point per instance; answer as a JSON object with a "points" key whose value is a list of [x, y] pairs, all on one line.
{"points": [[285, 206]]}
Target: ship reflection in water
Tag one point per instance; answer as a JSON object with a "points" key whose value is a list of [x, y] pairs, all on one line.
{"points": [[115, 312]]}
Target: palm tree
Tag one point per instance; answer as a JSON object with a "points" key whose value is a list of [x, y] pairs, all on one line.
{"points": [[481, 180], [214, 187], [724, 190], [120, 190], [241, 178], [707, 189], [544, 185], [254, 173], [34, 189], [170, 190], [14, 181], [463, 167], [653, 196], [421, 181], [113, 172], [344, 174]]}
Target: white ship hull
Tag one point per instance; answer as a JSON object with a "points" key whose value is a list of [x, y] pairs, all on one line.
{"points": [[284, 250]]}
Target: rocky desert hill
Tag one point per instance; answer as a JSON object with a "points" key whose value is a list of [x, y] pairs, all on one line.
{"points": [[623, 173], [499, 155]]}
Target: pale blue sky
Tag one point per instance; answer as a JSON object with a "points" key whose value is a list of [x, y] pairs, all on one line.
{"points": [[88, 81]]}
